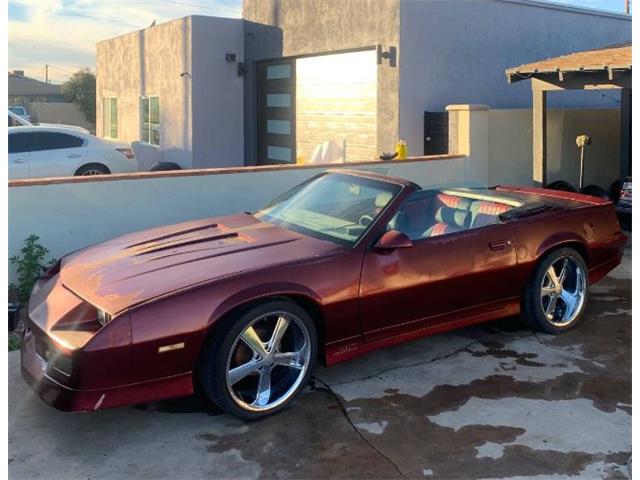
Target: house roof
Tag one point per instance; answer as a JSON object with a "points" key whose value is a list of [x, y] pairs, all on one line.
{"points": [[614, 57], [21, 85]]}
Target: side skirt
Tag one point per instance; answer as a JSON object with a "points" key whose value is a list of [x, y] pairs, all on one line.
{"points": [[355, 346]]}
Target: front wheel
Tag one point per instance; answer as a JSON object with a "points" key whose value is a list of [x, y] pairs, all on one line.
{"points": [[557, 292], [260, 359]]}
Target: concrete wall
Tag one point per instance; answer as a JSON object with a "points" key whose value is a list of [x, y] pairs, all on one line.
{"points": [[457, 52], [218, 106], [511, 156], [149, 62], [68, 214], [59, 112], [311, 27], [201, 102]]}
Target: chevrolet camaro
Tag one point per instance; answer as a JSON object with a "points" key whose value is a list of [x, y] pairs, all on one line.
{"points": [[242, 307]]}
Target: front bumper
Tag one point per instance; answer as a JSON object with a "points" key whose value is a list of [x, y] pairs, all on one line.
{"points": [[52, 392], [34, 371]]}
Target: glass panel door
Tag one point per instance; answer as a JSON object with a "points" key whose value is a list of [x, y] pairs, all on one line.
{"points": [[276, 112]]}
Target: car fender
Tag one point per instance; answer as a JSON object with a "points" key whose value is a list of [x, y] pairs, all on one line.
{"points": [[262, 291], [561, 239]]}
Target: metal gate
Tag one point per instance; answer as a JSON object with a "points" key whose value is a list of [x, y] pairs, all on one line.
{"points": [[276, 112], [436, 133]]}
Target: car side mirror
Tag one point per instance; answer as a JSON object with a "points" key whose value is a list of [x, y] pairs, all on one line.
{"points": [[393, 239]]}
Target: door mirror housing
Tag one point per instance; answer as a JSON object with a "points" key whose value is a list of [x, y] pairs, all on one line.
{"points": [[392, 240]]}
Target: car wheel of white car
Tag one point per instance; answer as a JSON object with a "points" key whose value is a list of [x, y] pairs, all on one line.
{"points": [[92, 169]]}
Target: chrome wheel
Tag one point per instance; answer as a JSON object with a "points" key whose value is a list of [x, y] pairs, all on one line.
{"points": [[92, 171], [563, 291], [268, 361]]}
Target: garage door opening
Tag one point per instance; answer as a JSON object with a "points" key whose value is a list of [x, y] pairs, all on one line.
{"points": [[336, 100]]}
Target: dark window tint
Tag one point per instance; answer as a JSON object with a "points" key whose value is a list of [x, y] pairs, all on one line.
{"points": [[20, 142], [56, 141]]}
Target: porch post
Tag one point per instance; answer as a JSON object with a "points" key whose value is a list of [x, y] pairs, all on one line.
{"points": [[539, 138]]}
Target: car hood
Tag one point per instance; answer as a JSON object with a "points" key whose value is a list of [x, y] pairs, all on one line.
{"points": [[124, 272]]}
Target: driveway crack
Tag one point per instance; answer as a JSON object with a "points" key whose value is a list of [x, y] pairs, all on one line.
{"points": [[409, 365], [327, 388]]}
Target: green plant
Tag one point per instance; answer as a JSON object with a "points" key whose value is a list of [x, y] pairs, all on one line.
{"points": [[29, 266], [81, 90], [14, 342]]}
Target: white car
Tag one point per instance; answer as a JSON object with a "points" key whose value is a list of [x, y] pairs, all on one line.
{"points": [[17, 120], [61, 152]]}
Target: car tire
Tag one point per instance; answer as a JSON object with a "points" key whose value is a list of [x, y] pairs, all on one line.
{"points": [[553, 304], [596, 191], [234, 374], [92, 169], [562, 186]]}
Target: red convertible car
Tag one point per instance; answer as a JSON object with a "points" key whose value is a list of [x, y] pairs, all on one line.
{"points": [[243, 306]]}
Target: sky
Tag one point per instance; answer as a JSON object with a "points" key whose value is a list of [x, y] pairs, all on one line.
{"points": [[63, 33]]}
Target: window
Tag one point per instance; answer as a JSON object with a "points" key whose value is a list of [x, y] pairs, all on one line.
{"points": [[110, 117], [334, 207], [150, 120], [55, 141], [20, 142]]}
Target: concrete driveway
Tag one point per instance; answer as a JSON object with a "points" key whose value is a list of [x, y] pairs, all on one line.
{"points": [[495, 401]]}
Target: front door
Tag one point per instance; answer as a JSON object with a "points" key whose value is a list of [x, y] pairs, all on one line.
{"points": [[438, 279], [56, 154], [276, 112]]}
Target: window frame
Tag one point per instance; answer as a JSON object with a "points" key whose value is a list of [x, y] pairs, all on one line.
{"points": [[107, 117], [146, 134]]}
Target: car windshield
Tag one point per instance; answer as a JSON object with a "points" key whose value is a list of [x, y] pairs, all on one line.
{"points": [[334, 206]]}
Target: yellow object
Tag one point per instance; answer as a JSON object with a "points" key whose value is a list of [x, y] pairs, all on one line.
{"points": [[300, 160], [401, 149]]}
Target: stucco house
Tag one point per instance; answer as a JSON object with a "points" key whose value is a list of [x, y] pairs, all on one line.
{"points": [[291, 74]]}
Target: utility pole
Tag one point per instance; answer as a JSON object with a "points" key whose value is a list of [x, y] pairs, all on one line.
{"points": [[46, 73]]}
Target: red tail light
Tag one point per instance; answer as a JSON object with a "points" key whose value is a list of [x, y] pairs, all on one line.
{"points": [[127, 152]]}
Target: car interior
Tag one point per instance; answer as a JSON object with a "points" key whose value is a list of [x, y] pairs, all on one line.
{"points": [[430, 213]]}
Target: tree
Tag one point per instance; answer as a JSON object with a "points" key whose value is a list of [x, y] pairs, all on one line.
{"points": [[81, 90]]}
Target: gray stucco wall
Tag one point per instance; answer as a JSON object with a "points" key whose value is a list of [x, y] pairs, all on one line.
{"points": [[456, 52], [311, 27], [201, 95], [217, 95], [149, 62]]}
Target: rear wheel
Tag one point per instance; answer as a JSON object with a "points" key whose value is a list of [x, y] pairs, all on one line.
{"points": [[92, 169], [260, 359], [557, 292]]}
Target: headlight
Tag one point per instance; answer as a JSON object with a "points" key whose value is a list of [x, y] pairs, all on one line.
{"points": [[103, 317], [62, 364]]}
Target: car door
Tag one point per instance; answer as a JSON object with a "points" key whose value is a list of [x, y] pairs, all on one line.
{"points": [[20, 144], [56, 154], [437, 280]]}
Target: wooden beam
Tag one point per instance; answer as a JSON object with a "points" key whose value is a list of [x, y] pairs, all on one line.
{"points": [[581, 81], [539, 138]]}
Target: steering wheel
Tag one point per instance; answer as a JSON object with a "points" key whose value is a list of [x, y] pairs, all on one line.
{"points": [[365, 220]]}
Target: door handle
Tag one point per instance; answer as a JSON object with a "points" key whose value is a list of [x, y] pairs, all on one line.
{"points": [[74, 155], [499, 245], [19, 160]]}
